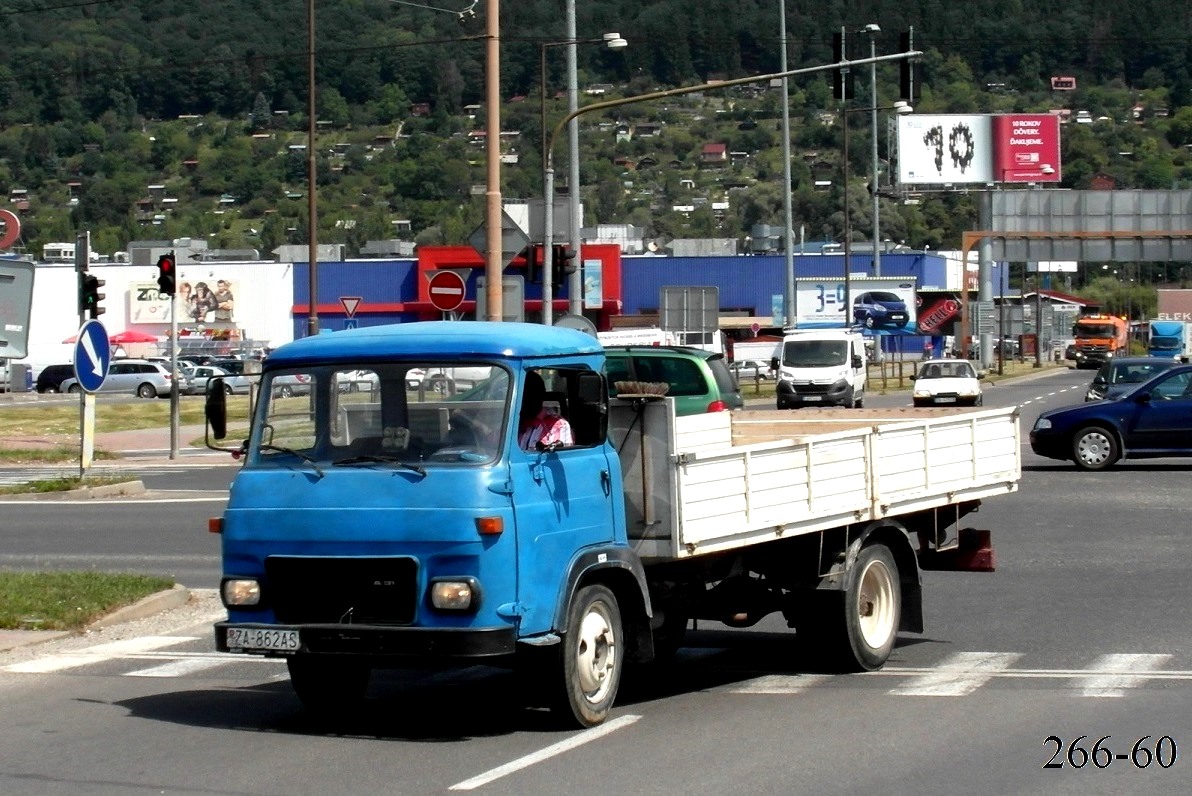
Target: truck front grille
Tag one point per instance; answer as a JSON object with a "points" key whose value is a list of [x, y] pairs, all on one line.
{"points": [[347, 591]]}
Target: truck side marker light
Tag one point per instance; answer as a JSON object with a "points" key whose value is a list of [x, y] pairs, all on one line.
{"points": [[490, 526]]}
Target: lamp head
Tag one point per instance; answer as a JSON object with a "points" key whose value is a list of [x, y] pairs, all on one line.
{"points": [[613, 41], [872, 28]]}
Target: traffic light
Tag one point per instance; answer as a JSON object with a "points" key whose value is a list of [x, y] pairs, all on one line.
{"points": [[89, 295], [842, 80], [165, 275], [562, 264], [908, 73], [533, 255]]}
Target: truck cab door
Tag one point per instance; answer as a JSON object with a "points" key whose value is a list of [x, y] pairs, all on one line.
{"points": [[564, 500]]}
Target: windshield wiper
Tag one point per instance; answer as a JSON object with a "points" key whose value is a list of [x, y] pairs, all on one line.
{"points": [[265, 446], [380, 459]]}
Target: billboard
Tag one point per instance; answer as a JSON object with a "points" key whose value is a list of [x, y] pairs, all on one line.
{"points": [[1026, 147], [964, 149], [880, 305], [945, 149], [939, 312], [211, 302]]}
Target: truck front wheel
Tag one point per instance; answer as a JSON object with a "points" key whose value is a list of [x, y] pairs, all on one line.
{"points": [[592, 657], [328, 686]]}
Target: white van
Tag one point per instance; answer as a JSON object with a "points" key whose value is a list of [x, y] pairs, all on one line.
{"points": [[821, 367]]}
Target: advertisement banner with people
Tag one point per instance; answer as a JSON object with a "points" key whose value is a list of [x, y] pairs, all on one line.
{"points": [[210, 302], [880, 305]]}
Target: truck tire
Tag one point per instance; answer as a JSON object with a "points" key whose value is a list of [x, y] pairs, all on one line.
{"points": [[328, 686], [854, 631], [592, 658], [872, 607], [1094, 448]]}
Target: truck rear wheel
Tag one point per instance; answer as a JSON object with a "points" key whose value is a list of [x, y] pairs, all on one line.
{"points": [[855, 630], [592, 657], [328, 686]]}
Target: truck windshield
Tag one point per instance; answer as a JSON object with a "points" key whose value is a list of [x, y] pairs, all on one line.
{"points": [[388, 414], [814, 353], [1094, 330]]}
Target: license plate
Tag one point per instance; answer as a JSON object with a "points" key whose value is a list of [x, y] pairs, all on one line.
{"points": [[811, 397], [945, 400], [262, 638]]}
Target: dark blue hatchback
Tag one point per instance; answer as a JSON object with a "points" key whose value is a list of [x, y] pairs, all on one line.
{"points": [[1151, 420]]}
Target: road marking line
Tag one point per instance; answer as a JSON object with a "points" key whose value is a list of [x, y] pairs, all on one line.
{"points": [[1107, 678], [781, 684], [587, 736], [178, 668], [100, 652], [959, 674]]}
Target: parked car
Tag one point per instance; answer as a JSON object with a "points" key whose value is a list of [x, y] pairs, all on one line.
{"points": [[880, 308], [137, 376], [1147, 421], [446, 381], [200, 377], [751, 369], [698, 380], [951, 382], [1117, 375], [51, 377], [290, 384]]}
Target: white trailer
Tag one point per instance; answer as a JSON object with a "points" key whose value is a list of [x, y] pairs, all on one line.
{"points": [[739, 514]]}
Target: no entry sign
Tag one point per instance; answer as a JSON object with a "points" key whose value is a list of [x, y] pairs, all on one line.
{"points": [[446, 291]]}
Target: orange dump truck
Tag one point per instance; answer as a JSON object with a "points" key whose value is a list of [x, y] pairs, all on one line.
{"points": [[1099, 337]]}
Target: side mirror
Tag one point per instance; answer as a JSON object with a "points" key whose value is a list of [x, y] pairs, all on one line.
{"points": [[856, 362], [981, 374], [774, 364], [216, 408]]}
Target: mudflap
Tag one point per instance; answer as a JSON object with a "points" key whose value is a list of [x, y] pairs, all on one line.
{"points": [[972, 552]]}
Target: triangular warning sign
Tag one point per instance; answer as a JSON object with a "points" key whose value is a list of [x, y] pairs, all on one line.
{"points": [[350, 304]]}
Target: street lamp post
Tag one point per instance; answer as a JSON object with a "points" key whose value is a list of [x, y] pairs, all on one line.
{"points": [[872, 29], [614, 42]]}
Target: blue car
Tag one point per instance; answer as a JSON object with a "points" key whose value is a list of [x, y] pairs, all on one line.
{"points": [[880, 308], [1151, 420]]}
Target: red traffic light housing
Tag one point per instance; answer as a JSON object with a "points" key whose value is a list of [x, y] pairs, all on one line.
{"points": [[166, 273]]}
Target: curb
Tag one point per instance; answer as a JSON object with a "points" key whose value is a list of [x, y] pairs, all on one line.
{"points": [[125, 489], [147, 606]]}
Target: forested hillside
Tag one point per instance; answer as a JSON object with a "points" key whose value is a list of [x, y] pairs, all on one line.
{"points": [[91, 96]]}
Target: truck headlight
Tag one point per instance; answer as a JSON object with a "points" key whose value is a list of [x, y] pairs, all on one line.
{"points": [[240, 591], [454, 594]]}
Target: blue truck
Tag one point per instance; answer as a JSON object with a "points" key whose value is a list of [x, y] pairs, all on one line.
{"points": [[379, 522], [1168, 339]]}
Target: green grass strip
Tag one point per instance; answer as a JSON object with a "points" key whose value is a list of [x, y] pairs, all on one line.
{"points": [[69, 600]]}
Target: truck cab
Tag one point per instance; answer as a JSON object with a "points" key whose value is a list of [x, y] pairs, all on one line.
{"points": [[377, 526]]}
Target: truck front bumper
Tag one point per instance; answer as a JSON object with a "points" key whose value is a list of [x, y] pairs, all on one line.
{"points": [[383, 641]]}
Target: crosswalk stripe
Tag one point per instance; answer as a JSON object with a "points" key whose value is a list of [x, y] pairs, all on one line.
{"points": [[100, 652], [959, 674], [179, 668], [781, 684], [1119, 672]]}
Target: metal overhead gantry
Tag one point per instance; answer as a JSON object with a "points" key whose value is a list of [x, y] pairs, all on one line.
{"points": [[970, 239]]}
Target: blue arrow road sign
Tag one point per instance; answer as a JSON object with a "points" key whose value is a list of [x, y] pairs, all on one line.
{"points": [[92, 355]]}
